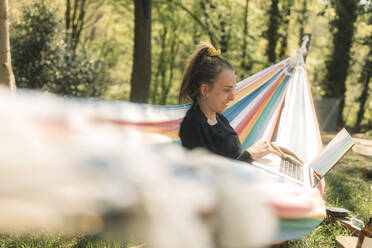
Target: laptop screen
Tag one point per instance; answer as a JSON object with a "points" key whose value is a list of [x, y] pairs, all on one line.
{"points": [[333, 152]]}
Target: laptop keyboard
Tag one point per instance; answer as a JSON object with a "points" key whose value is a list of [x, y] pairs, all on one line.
{"points": [[291, 169]]}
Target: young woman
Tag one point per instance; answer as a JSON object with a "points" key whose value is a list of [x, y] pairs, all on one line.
{"points": [[209, 81]]}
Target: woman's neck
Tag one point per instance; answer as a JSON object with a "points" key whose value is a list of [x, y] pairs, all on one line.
{"points": [[209, 113]]}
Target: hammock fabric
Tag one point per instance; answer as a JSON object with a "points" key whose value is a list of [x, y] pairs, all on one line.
{"points": [[274, 104]]}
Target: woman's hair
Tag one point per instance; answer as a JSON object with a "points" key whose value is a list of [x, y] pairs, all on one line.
{"points": [[203, 66]]}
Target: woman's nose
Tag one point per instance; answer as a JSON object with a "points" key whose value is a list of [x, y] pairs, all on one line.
{"points": [[231, 96]]}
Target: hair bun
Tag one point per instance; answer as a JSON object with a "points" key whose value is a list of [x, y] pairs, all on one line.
{"points": [[213, 52]]}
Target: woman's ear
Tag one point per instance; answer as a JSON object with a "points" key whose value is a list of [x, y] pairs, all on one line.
{"points": [[204, 88]]}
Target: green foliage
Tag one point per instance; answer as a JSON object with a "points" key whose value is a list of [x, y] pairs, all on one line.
{"points": [[42, 60], [31, 38], [72, 74], [187, 23]]}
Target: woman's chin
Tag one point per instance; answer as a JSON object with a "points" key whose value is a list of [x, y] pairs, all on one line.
{"points": [[223, 109]]}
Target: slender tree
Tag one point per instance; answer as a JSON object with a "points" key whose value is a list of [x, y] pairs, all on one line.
{"points": [[161, 67], [271, 34], [365, 79], [74, 21], [218, 22], [209, 24], [196, 18], [166, 89], [244, 64], [338, 61], [141, 70], [214, 22], [302, 19], [6, 72], [286, 15], [78, 18], [169, 19]]}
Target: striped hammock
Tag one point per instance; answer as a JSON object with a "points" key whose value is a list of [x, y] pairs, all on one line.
{"points": [[266, 105], [274, 104]]}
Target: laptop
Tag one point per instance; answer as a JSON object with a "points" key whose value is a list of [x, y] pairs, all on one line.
{"points": [[309, 174]]}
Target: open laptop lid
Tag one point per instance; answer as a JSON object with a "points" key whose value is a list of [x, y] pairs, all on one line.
{"points": [[332, 153]]}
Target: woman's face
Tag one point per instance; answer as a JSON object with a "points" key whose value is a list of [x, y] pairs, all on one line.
{"points": [[221, 93]]}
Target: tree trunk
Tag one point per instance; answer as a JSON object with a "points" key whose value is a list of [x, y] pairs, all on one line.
{"points": [[225, 18], [6, 72], [207, 24], [160, 67], [364, 79], [196, 18], [174, 48], [245, 34], [141, 70], [74, 22], [272, 31], [163, 65], [287, 9], [338, 63], [224, 37], [219, 28], [302, 20]]}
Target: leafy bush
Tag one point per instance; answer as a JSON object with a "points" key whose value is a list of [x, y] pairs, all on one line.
{"points": [[43, 60]]}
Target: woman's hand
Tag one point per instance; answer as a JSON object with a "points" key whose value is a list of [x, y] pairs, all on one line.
{"points": [[285, 151], [261, 148]]}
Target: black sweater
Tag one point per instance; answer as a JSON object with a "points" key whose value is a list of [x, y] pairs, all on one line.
{"points": [[219, 138]]}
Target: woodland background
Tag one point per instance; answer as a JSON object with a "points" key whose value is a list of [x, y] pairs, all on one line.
{"points": [[137, 50]]}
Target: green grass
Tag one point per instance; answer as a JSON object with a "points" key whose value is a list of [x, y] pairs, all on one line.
{"points": [[323, 236], [345, 187], [33, 240], [57, 241]]}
